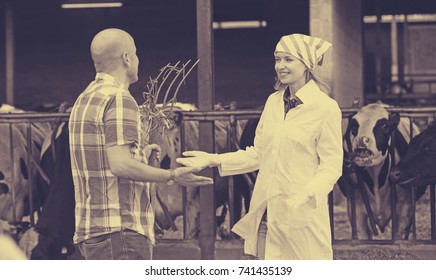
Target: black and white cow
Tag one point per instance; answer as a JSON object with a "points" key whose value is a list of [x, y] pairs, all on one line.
{"points": [[368, 160], [15, 173], [417, 166]]}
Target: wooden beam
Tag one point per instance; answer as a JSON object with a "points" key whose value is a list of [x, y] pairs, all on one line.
{"points": [[205, 101], [9, 32]]}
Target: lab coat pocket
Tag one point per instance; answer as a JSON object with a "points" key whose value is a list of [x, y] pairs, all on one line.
{"points": [[300, 217]]}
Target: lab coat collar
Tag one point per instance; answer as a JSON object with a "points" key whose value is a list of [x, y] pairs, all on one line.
{"points": [[309, 92]]}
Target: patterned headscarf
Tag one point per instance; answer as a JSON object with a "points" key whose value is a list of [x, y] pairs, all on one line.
{"points": [[309, 50]]}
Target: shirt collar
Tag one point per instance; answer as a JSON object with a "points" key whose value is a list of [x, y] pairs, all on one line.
{"points": [[109, 79]]}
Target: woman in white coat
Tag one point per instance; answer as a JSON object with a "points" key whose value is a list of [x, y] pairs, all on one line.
{"points": [[298, 152]]}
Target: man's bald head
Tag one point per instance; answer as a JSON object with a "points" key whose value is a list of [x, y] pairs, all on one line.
{"points": [[108, 46]]}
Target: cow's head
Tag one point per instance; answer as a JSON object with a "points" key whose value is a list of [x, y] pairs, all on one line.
{"points": [[417, 166], [369, 134]]}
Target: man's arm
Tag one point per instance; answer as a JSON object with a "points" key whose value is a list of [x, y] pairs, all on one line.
{"points": [[122, 164]]}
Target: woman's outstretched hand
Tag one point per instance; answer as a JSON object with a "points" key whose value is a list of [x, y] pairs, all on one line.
{"points": [[199, 159]]}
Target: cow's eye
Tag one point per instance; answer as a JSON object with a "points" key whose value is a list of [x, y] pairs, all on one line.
{"points": [[354, 127], [385, 127]]}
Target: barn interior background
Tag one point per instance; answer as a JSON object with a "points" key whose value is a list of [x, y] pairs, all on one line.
{"points": [[383, 50]]}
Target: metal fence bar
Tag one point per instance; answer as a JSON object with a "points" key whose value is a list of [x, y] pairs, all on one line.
{"points": [[433, 213], [184, 190], [30, 167], [413, 189], [14, 199]]}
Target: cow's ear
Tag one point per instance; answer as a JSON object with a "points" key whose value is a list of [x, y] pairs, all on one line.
{"points": [[177, 118], [350, 118], [394, 120]]}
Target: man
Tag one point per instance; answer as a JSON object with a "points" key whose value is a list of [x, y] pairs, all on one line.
{"points": [[114, 215]]}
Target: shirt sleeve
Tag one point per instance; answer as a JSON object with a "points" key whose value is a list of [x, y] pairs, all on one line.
{"points": [[330, 152], [121, 121]]}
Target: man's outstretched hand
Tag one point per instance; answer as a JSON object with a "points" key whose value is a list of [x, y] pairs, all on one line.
{"points": [[184, 176]]}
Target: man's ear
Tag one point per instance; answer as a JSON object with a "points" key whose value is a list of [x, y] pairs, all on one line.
{"points": [[126, 58]]}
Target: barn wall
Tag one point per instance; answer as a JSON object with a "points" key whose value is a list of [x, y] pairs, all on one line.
{"points": [[340, 22], [53, 63]]}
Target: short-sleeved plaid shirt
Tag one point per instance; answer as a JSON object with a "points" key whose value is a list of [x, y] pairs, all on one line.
{"points": [[104, 115]]}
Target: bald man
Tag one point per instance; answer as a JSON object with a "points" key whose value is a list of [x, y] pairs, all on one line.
{"points": [[114, 215]]}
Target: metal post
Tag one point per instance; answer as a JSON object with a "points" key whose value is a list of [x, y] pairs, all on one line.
{"points": [[9, 32], [30, 171], [433, 212], [231, 135], [394, 50], [14, 195], [378, 59], [205, 102]]}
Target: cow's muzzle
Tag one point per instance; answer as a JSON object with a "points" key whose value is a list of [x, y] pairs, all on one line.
{"points": [[362, 157]]}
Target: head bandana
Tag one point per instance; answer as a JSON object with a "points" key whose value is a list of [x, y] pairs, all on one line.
{"points": [[309, 50]]}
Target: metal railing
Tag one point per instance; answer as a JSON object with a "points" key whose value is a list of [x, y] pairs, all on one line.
{"points": [[421, 116]]}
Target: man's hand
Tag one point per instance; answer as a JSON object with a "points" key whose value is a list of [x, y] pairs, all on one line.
{"points": [[199, 159], [184, 177]]}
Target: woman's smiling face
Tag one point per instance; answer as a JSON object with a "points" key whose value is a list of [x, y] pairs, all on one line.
{"points": [[289, 69]]}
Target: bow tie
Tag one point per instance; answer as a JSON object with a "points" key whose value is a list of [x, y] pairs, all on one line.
{"points": [[290, 104]]}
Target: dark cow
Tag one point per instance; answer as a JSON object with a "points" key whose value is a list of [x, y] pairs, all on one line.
{"points": [[417, 166], [368, 160], [55, 226], [171, 205]]}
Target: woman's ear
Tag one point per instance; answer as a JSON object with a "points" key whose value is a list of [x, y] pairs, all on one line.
{"points": [[308, 75]]}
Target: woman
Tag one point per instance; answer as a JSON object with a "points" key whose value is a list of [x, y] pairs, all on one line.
{"points": [[298, 152]]}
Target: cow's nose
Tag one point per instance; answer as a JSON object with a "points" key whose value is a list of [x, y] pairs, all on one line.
{"points": [[363, 141], [2, 176]]}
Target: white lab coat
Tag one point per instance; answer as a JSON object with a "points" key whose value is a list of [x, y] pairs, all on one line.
{"points": [[299, 153]]}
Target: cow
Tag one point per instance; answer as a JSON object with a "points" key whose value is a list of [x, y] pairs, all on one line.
{"points": [[417, 166], [55, 226], [16, 175], [170, 197], [368, 159]]}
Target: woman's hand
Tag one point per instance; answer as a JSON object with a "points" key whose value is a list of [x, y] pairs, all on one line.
{"points": [[299, 199], [199, 159]]}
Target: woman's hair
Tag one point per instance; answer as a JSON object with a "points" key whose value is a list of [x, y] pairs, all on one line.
{"points": [[322, 84]]}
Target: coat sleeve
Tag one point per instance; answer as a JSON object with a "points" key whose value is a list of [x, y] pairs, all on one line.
{"points": [[330, 152], [244, 161]]}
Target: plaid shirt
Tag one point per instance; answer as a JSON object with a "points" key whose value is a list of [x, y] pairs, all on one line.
{"points": [[290, 103], [104, 115]]}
